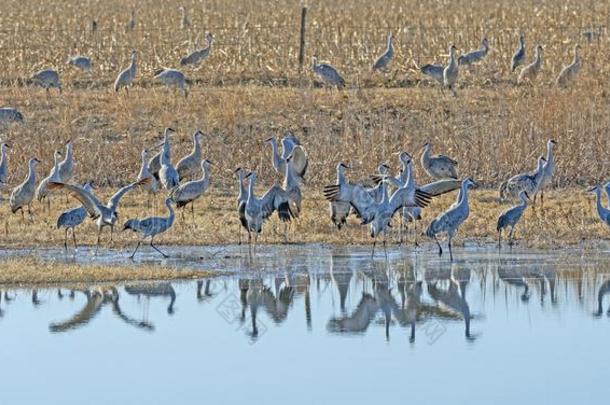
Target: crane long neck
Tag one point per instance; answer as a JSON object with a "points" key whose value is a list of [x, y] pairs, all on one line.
{"points": [[205, 175], [31, 173], [425, 157], [242, 187], [196, 146], [251, 189], [549, 153], [340, 175], [537, 58], [275, 155], [464, 195], [68, 152], [2, 155], [601, 211], [170, 217]]}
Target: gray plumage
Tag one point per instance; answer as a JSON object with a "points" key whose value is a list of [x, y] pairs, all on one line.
{"points": [[3, 165], [126, 77], [548, 168], [519, 55], [450, 73], [242, 198], [66, 166], [385, 58], [339, 210], [42, 191], [327, 73], [47, 79], [476, 55], [603, 213], [72, 218], [449, 221], [434, 71], [510, 218], [172, 78], [154, 164], [151, 227], [569, 73], [9, 114], [190, 191], [199, 55], [529, 182], [168, 176], [290, 147], [131, 24], [81, 62], [104, 215], [23, 194], [152, 186], [530, 72], [438, 166], [184, 19], [189, 165]]}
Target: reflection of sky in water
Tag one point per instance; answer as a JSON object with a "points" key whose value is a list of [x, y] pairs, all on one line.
{"points": [[332, 326]]}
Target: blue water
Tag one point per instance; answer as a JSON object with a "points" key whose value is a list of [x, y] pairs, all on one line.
{"points": [[320, 325]]}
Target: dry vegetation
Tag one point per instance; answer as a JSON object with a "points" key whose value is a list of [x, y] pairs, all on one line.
{"points": [[252, 87]]}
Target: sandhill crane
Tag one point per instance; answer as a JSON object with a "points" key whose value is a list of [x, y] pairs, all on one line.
{"points": [[151, 227], [339, 210], [602, 212], [152, 186], [476, 55], [242, 198], [131, 24], [257, 210], [438, 166], [290, 147], [3, 166], [168, 176], [510, 217], [382, 61], [80, 62], [198, 55], [9, 114], [568, 73], [66, 166], [154, 164], [435, 71], [529, 72], [450, 220], [105, 215], [450, 72], [548, 168], [42, 191], [327, 73], [519, 55], [172, 78], [47, 79], [72, 218], [189, 165], [528, 182], [126, 77], [184, 19], [190, 191], [292, 187], [23, 194]]}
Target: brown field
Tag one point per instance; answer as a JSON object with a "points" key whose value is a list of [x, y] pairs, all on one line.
{"points": [[252, 87]]}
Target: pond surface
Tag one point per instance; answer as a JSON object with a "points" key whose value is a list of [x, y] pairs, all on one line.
{"points": [[316, 324]]}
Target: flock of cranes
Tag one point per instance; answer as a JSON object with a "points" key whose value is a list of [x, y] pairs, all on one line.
{"points": [[374, 203]]}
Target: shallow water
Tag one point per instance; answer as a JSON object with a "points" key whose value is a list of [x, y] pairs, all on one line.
{"points": [[314, 323]]}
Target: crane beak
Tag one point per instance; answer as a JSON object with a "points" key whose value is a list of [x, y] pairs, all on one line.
{"points": [[268, 140], [237, 170], [592, 189]]}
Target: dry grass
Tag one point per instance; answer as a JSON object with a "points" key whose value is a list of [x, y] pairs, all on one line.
{"points": [[251, 88], [29, 272]]}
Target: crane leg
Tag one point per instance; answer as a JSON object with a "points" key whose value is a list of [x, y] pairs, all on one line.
{"points": [[193, 211], [510, 236], [499, 239], [66, 241], [440, 249], [157, 249], [373, 252], [74, 239], [97, 243], [385, 249], [415, 230], [59, 294], [450, 250], [111, 232], [134, 252]]}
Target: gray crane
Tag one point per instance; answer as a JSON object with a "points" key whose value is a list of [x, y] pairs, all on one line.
{"points": [[449, 221], [529, 182], [152, 187], [80, 62], [9, 115], [173, 78], [511, 217], [327, 73], [569, 72], [168, 175], [530, 72], [185, 22], [290, 147], [602, 212], [3, 166], [43, 191], [450, 72], [242, 198], [438, 166], [190, 191], [151, 227], [126, 77], [131, 24], [476, 55], [72, 218], [104, 215], [47, 79], [384, 59], [548, 168], [23, 194], [200, 54], [339, 210], [154, 164], [257, 209], [519, 55], [66, 166], [188, 166]]}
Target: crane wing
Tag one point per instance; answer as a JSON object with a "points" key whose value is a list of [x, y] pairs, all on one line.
{"points": [[440, 187], [275, 199], [113, 202], [299, 160], [89, 201]]}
